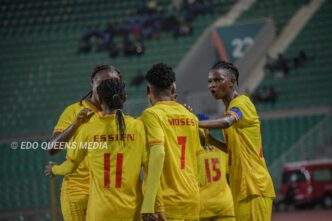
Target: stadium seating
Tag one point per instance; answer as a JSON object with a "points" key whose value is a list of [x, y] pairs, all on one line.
{"points": [[310, 85], [39, 64], [279, 134], [280, 11], [23, 184]]}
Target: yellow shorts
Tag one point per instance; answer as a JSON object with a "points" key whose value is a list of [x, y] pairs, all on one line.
{"points": [[175, 219], [254, 208], [218, 218], [73, 211]]}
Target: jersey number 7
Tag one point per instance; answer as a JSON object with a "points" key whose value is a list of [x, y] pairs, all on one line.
{"points": [[118, 170], [182, 141]]}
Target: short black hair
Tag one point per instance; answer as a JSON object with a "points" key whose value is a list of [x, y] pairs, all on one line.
{"points": [[160, 76], [228, 66]]}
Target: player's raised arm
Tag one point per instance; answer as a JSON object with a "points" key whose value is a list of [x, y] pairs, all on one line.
{"points": [[59, 138], [75, 156], [220, 123]]}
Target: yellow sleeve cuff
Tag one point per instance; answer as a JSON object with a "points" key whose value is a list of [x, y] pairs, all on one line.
{"points": [[159, 207], [63, 169]]}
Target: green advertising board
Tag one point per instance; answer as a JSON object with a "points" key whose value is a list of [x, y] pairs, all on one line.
{"points": [[235, 40]]}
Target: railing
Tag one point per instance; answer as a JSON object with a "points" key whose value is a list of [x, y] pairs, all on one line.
{"points": [[309, 147]]}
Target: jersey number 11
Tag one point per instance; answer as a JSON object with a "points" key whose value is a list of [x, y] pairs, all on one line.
{"points": [[118, 170]]}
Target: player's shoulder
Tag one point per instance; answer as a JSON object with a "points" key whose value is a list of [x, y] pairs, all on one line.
{"points": [[241, 98], [134, 122], [74, 107], [241, 101], [153, 110]]}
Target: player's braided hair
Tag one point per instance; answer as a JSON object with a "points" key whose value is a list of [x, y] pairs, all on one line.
{"points": [[228, 66], [160, 76], [95, 71], [112, 92]]}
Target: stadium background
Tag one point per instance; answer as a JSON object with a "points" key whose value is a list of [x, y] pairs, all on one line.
{"points": [[42, 73]]}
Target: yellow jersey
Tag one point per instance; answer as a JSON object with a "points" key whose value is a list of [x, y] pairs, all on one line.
{"points": [[115, 165], [248, 172], [75, 185], [170, 124], [216, 196]]}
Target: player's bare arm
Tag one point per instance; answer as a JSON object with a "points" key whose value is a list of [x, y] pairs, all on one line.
{"points": [[59, 138], [220, 123], [215, 142]]}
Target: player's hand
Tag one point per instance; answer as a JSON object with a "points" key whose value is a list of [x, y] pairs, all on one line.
{"points": [[84, 116], [161, 216], [189, 108], [149, 217], [48, 168]]}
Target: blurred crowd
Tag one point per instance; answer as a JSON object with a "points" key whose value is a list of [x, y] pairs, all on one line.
{"points": [[278, 67], [149, 21]]}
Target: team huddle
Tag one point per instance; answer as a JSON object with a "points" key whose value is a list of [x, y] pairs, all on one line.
{"points": [[164, 165]]}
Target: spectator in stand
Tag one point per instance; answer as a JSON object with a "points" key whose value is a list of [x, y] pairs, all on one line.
{"points": [[151, 28], [139, 47], [266, 94], [169, 23], [93, 31], [271, 64], [283, 65], [300, 59], [108, 37], [183, 29], [128, 46], [88, 40], [195, 8]]}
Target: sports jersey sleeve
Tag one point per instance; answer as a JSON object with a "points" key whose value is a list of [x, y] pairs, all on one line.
{"points": [[141, 131], [154, 132], [75, 153], [236, 113], [65, 120], [198, 143], [237, 109]]}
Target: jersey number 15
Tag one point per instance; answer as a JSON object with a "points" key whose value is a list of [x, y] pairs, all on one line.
{"points": [[215, 169]]}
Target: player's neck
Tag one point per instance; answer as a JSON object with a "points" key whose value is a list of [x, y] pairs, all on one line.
{"points": [[108, 111], [95, 103], [162, 98], [227, 100]]}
